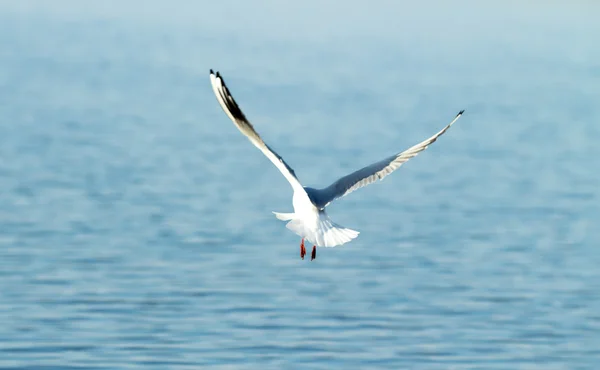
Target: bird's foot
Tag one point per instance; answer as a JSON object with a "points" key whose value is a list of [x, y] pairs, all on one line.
{"points": [[302, 249], [313, 255]]}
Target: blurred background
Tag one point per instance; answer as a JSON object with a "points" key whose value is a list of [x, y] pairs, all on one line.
{"points": [[135, 220]]}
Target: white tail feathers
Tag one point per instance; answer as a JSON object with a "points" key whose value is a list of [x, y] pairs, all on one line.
{"points": [[320, 231]]}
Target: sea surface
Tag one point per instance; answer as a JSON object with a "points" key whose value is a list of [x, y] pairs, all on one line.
{"points": [[135, 220]]}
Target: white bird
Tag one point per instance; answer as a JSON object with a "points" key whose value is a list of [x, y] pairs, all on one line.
{"points": [[309, 220]]}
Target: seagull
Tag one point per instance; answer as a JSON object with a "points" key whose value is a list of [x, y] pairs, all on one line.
{"points": [[309, 219]]}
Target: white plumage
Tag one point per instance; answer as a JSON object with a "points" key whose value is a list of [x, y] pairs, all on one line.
{"points": [[309, 220]]}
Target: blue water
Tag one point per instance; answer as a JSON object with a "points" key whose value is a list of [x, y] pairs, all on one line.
{"points": [[135, 221]]}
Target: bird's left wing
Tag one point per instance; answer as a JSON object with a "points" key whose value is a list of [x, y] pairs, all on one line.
{"points": [[239, 119], [376, 171]]}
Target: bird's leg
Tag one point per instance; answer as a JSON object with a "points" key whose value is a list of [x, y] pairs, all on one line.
{"points": [[302, 249], [313, 255]]}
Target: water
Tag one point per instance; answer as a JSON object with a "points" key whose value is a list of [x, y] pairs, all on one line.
{"points": [[135, 221]]}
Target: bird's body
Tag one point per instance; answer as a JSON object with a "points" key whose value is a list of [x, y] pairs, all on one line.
{"points": [[312, 223], [310, 220]]}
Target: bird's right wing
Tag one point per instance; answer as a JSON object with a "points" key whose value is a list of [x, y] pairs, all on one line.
{"points": [[239, 119], [376, 171]]}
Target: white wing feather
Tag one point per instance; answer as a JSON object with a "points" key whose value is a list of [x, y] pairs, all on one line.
{"points": [[239, 119], [372, 173]]}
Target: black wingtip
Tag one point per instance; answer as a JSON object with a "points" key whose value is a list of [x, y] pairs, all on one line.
{"points": [[461, 112], [211, 71]]}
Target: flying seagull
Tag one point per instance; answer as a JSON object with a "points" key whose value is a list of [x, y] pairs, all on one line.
{"points": [[309, 220]]}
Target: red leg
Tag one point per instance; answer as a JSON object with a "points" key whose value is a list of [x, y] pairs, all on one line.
{"points": [[302, 249], [313, 255]]}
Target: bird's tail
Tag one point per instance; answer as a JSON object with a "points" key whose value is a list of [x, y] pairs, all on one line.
{"points": [[322, 233]]}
